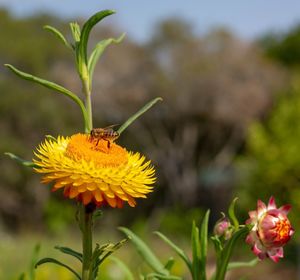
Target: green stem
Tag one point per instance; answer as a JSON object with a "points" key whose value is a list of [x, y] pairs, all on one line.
{"points": [[227, 252], [88, 105], [86, 224]]}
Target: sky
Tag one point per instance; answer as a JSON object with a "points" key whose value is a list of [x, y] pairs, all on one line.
{"points": [[247, 18]]}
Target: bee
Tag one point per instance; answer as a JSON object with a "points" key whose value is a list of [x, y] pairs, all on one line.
{"points": [[107, 134]]}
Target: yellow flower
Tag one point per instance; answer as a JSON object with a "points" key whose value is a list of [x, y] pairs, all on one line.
{"points": [[90, 171]]}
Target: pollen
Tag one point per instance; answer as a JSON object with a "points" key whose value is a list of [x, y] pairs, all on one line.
{"points": [[283, 228], [81, 147], [93, 172]]}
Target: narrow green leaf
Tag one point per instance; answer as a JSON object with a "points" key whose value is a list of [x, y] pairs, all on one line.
{"points": [[138, 114], [217, 243], [98, 51], [162, 277], [231, 214], [58, 34], [234, 265], [34, 259], [126, 272], [20, 160], [51, 260], [86, 29], [70, 252], [178, 250], [52, 86], [196, 252], [102, 252], [95, 258], [75, 30], [145, 252], [227, 252], [203, 245], [111, 249], [98, 213], [169, 263]]}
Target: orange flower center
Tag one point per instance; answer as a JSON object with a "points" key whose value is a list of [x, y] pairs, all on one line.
{"points": [[98, 151], [283, 228]]}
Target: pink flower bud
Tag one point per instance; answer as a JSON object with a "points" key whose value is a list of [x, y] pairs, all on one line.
{"points": [[271, 230], [222, 228]]}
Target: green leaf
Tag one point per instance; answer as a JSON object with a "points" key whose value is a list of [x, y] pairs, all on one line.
{"points": [[102, 252], [95, 258], [203, 245], [70, 252], [126, 272], [98, 51], [53, 86], [217, 243], [196, 252], [58, 34], [51, 260], [162, 277], [21, 161], [234, 265], [138, 114], [178, 250], [85, 32], [111, 249], [231, 214], [170, 263], [34, 258], [98, 213], [227, 251], [145, 252], [75, 29]]}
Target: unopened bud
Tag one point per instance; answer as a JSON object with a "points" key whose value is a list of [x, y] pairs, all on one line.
{"points": [[222, 228]]}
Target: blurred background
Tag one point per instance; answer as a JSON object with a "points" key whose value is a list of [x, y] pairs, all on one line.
{"points": [[229, 125]]}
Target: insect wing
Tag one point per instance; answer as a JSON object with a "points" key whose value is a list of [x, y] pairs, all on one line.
{"points": [[110, 127]]}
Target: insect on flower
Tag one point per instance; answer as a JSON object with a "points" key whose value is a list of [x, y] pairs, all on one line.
{"points": [[108, 134]]}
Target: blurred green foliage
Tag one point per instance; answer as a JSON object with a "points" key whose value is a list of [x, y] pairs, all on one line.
{"points": [[271, 165], [27, 112], [271, 162], [58, 215], [284, 48]]}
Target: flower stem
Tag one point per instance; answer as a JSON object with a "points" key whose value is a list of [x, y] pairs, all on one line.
{"points": [[223, 262], [88, 105], [86, 224]]}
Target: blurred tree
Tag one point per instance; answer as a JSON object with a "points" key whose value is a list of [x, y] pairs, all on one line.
{"points": [[271, 165], [284, 48], [27, 112], [213, 88]]}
